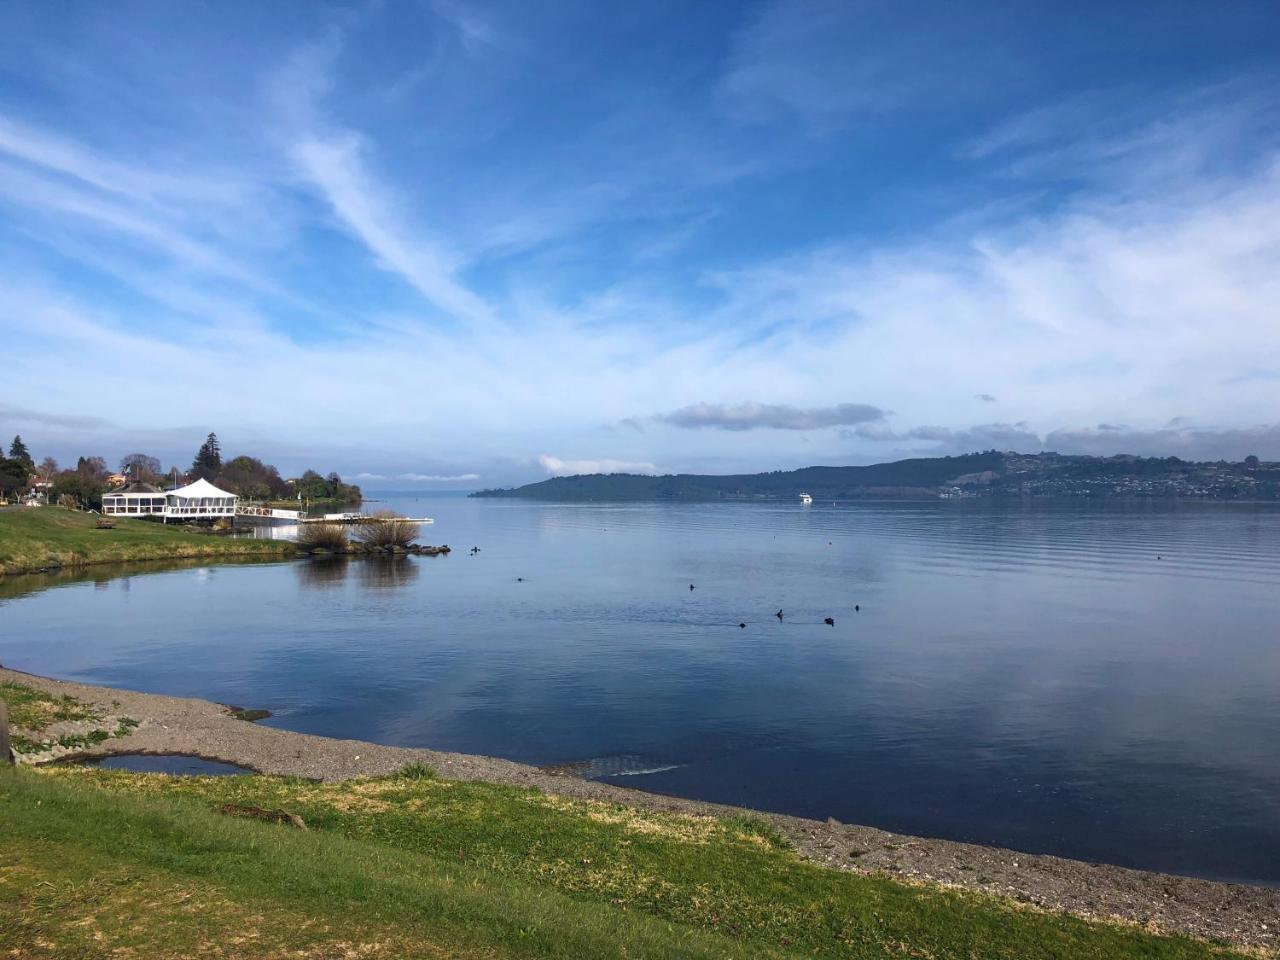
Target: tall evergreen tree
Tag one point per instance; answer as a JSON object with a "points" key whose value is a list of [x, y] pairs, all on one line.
{"points": [[208, 459], [18, 451], [13, 477]]}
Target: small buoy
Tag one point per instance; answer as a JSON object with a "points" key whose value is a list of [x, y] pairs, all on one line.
{"points": [[742, 626], [856, 608], [829, 622], [519, 579]]}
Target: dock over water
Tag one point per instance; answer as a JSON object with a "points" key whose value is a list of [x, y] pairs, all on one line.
{"points": [[251, 512]]}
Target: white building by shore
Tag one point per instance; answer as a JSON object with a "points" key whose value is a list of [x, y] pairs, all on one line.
{"points": [[196, 501]]}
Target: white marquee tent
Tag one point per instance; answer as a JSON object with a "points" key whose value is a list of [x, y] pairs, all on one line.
{"points": [[200, 500]]}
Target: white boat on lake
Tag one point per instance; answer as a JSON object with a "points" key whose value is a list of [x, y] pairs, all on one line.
{"points": [[806, 499]]}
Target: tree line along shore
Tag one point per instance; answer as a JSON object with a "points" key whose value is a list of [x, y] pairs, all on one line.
{"points": [[22, 478], [989, 475]]}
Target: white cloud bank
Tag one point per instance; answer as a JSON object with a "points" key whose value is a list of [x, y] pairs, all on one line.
{"points": [[438, 478], [567, 468]]}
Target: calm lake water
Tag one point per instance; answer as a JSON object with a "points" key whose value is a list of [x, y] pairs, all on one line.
{"points": [[1096, 681]]}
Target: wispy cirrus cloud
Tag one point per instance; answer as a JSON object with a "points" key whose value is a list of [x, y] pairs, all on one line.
{"points": [[138, 182], [832, 64], [474, 30], [1129, 137], [47, 197], [445, 263], [334, 161], [337, 167]]}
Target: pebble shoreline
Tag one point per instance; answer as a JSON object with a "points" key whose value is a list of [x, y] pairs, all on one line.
{"points": [[1240, 915]]}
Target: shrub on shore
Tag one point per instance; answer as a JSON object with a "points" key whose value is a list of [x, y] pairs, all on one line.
{"points": [[387, 530], [322, 536]]}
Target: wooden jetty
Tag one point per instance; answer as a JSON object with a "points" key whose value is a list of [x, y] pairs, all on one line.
{"points": [[251, 512], [360, 518]]}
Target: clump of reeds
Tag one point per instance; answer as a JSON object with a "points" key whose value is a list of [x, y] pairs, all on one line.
{"points": [[387, 529], [322, 536]]}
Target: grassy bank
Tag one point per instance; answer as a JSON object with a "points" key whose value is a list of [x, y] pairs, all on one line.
{"points": [[96, 861], [35, 539]]}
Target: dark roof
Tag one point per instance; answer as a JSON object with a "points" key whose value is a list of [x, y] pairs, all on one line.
{"points": [[137, 488]]}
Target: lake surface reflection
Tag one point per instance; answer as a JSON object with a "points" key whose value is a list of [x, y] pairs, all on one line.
{"points": [[1097, 681]]}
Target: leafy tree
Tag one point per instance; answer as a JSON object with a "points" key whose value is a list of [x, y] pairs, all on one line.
{"points": [[208, 461], [84, 491], [84, 484], [1251, 462], [18, 451], [250, 477], [315, 487], [93, 468], [140, 468]]}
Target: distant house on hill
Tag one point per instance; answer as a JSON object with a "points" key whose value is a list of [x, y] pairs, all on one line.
{"points": [[196, 501]]}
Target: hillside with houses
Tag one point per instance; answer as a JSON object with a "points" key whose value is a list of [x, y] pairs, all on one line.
{"points": [[991, 474]]}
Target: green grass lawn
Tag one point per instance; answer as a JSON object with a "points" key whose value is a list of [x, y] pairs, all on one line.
{"points": [[35, 538], [96, 861]]}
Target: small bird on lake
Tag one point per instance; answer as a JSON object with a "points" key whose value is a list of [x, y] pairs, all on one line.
{"points": [[519, 579], [778, 614], [829, 622], [691, 586], [742, 626], [856, 608]]}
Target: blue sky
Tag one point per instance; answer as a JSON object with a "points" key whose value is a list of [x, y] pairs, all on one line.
{"points": [[444, 244]]}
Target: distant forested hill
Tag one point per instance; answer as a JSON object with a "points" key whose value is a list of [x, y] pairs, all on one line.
{"points": [[988, 474]]}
